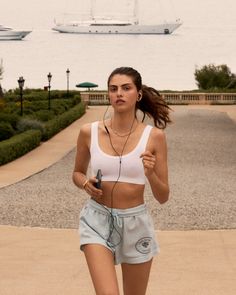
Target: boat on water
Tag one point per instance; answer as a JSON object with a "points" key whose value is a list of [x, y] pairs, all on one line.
{"points": [[104, 26], [98, 25], [7, 33]]}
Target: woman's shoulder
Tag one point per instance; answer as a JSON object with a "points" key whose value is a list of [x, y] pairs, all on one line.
{"points": [[86, 128], [157, 134], [157, 140], [154, 131]]}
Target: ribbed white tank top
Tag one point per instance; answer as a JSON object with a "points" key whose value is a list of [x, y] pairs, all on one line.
{"points": [[132, 170]]}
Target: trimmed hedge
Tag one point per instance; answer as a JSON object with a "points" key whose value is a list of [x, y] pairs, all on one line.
{"points": [[10, 118], [6, 130], [19, 145], [39, 94], [22, 143], [28, 124], [60, 122]]}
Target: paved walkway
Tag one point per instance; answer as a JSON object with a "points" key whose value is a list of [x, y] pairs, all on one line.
{"points": [[36, 261], [48, 261], [48, 152], [53, 150]]}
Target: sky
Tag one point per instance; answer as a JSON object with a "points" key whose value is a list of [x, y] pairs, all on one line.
{"points": [[20, 12]]}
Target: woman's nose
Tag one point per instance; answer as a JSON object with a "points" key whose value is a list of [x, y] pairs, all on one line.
{"points": [[119, 92]]}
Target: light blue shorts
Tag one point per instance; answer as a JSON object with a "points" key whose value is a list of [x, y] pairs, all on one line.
{"points": [[128, 233]]}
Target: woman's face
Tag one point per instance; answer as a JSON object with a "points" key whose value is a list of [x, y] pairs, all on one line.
{"points": [[122, 92]]}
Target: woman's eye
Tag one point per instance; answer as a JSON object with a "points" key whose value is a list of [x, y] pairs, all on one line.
{"points": [[112, 89]]}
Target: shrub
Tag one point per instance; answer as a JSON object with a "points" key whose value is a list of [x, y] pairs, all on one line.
{"points": [[19, 145], [44, 115], [11, 108], [59, 109], [55, 125], [6, 130], [39, 94], [76, 99], [57, 105], [2, 103], [28, 95], [10, 118], [26, 112], [27, 124], [36, 96]]}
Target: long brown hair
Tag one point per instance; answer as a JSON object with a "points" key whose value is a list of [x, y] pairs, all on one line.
{"points": [[152, 103]]}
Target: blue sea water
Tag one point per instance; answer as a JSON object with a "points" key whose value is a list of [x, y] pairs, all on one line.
{"points": [[208, 35]]}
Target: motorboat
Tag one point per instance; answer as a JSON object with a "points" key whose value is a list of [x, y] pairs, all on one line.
{"points": [[7, 33]]}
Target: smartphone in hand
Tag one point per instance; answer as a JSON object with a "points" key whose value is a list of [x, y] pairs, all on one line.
{"points": [[99, 178]]}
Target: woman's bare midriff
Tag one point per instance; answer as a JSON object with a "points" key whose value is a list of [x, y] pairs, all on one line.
{"points": [[124, 195]]}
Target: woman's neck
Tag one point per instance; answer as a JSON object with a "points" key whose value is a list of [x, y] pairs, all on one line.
{"points": [[123, 122]]}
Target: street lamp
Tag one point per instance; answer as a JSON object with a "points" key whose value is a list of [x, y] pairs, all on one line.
{"points": [[21, 82], [67, 74], [49, 88]]}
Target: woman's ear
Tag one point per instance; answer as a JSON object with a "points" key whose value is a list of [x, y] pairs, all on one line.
{"points": [[140, 95]]}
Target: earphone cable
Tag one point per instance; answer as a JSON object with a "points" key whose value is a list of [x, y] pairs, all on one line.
{"points": [[119, 173]]}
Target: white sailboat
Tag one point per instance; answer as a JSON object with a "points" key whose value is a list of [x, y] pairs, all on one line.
{"points": [[98, 25], [10, 34]]}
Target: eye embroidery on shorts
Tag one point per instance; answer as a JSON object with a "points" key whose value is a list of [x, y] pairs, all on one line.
{"points": [[144, 245]]}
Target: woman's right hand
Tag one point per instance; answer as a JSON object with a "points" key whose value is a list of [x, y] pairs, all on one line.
{"points": [[90, 188]]}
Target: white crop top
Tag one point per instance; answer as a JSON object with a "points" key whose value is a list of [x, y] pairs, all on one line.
{"points": [[132, 170]]}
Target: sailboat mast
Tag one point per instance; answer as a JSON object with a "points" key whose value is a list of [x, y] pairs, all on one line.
{"points": [[136, 12], [92, 8]]}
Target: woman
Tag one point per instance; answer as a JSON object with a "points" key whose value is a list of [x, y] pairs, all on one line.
{"points": [[115, 227]]}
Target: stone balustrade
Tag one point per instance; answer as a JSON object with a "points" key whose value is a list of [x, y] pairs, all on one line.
{"points": [[101, 98]]}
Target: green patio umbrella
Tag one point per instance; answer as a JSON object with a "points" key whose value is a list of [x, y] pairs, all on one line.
{"points": [[86, 85]]}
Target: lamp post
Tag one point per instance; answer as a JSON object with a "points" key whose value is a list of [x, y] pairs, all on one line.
{"points": [[49, 88], [67, 74], [21, 82]]}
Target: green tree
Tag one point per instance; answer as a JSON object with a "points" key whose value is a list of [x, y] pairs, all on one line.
{"points": [[1, 76], [215, 77]]}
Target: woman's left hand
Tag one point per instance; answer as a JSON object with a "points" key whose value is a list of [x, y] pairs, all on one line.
{"points": [[149, 162]]}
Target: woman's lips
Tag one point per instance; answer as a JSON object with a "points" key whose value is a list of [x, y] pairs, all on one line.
{"points": [[119, 101]]}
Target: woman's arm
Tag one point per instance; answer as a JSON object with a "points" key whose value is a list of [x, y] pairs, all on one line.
{"points": [[155, 165], [82, 157], [81, 163]]}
